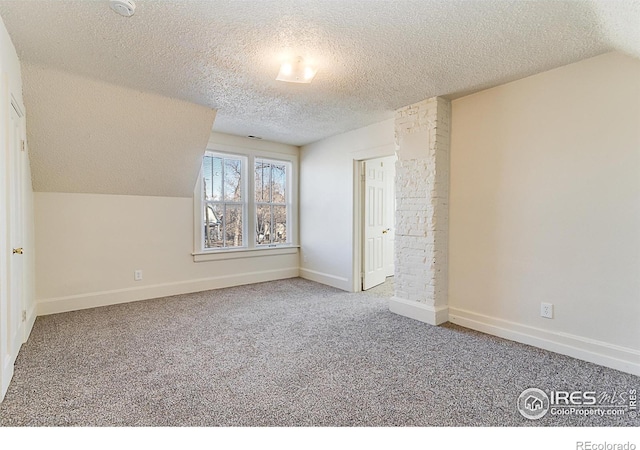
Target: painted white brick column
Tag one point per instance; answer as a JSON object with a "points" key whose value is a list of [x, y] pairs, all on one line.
{"points": [[422, 196]]}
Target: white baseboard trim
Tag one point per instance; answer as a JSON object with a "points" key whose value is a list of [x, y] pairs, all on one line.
{"points": [[433, 315], [325, 278], [31, 320], [598, 352], [104, 298]]}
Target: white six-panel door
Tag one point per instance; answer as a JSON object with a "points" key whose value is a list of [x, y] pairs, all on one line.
{"points": [[12, 262], [374, 224], [16, 227], [6, 370]]}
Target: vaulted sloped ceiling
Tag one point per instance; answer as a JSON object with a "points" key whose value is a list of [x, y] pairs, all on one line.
{"points": [[88, 136], [373, 56]]}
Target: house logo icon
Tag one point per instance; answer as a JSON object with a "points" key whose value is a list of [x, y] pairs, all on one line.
{"points": [[533, 403]]}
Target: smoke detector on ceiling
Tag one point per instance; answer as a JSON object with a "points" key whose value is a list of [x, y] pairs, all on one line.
{"points": [[125, 8]]}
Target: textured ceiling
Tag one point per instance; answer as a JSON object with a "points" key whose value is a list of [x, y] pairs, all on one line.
{"points": [[373, 56]]}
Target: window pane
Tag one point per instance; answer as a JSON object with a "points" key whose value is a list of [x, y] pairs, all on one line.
{"points": [[212, 178], [263, 181], [233, 226], [263, 224], [280, 224], [279, 175], [206, 177], [232, 180], [216, 179], [213, 227]]}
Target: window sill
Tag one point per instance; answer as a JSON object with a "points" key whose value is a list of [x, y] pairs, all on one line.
{"points": [[221, 255]]}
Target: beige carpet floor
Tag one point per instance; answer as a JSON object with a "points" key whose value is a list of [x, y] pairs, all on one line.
{"points": [[284, 353]]}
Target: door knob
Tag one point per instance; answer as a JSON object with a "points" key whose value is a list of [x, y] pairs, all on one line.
{"points": [[385, 231], [17, 251]]}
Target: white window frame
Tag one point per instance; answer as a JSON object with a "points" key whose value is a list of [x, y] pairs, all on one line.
{"points": [[287, 204], [250, 247], [244, 203]]}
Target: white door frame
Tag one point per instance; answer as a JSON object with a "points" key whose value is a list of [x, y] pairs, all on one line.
{"points": [[358, 203]]}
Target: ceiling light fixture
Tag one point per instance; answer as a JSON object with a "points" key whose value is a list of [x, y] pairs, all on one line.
{"points": [[297, 71]]}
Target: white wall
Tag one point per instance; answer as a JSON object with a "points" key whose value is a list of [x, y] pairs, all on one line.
{"points": [[545, 207], [90, 244], [326, 201]]}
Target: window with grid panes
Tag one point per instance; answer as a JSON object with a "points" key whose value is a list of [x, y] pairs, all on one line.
{"points": [[271, 201], [224, 201], [234, 203]]}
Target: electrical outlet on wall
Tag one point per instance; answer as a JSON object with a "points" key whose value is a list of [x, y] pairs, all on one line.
{"points": [[137, 275], [546, 310]]}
